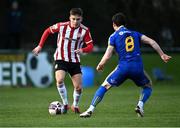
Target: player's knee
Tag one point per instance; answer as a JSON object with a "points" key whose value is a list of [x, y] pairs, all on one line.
{"points": [[77, 85], [148, 85], [78, 89], [59, 82]]}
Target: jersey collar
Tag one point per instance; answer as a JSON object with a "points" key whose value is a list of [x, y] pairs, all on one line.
{"points": [[73, 27], [120, 27]]}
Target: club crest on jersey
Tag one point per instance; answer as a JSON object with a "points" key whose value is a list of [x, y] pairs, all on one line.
{"points": [[54, 26]]}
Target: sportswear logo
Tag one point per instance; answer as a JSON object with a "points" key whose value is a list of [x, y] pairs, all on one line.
{"points": [[121, 33], [113, 81], [54, 26], [56, 66], [71, 39]]}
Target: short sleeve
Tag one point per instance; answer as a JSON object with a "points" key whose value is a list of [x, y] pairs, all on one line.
{"points": [[139, 34], [111, 40]]}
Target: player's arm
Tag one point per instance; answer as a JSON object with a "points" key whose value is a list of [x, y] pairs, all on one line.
{"points": [[105, 58], [89, 44], [87, 49], [156, 47], [44, 36]]}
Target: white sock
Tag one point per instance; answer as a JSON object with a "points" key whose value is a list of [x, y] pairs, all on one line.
{"points": [[63, 93], [91, 108], [76, 98], [140, 104]]}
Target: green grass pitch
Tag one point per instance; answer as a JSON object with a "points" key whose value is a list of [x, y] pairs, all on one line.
{"points": [[28, 107]]}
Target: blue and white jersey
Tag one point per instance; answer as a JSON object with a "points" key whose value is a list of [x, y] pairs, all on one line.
{"points": [[126, 44]]}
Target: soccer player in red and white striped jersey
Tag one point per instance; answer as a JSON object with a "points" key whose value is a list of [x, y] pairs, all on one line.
{"points": [[71, 37]]}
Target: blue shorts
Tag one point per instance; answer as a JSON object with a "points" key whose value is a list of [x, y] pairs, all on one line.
{"points": [[128, 70]]}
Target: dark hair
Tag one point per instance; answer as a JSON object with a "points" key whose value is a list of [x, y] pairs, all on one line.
{"points": [[119, 19], [76, 11]]}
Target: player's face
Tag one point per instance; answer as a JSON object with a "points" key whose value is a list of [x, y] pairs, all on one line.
{"points": [[75, 20], [115, 26]]}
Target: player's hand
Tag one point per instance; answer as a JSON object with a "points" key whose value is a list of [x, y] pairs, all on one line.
{"points": [[100, 67], [165, 58], [78, 51], [36, 50]]}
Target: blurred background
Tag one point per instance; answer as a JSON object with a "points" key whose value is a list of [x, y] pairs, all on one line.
{"points": [[23, 104], [22, 22]]}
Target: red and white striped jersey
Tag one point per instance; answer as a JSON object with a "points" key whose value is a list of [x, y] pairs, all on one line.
{"points": [[70, 39]]}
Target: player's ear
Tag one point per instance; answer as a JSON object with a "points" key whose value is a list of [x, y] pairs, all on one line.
{"points": [[114, 25]]}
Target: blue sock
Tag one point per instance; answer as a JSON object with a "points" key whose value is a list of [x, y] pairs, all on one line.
{"points": [[145, 94], [98, 95]]}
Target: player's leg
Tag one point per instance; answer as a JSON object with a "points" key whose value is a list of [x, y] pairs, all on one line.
{"points": [[60, 75], [147, 75], [77, 82], [76, 76], [143, 81], [146, 89], [115, 78], [60, 72], [98, 96], [144, 96]]}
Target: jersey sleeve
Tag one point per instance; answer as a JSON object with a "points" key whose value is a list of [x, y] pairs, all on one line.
{"points": [[54, 28], [111, 40], [87, 37], [139, 34]]}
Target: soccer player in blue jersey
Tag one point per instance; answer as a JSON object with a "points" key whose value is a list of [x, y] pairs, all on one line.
{"points": [[130, 66]]}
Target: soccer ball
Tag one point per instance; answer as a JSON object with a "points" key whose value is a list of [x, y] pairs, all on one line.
{"points": [[55, 108]]}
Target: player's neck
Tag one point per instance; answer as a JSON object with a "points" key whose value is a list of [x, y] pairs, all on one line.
{"points": [[118, 27], [73, 26]]}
